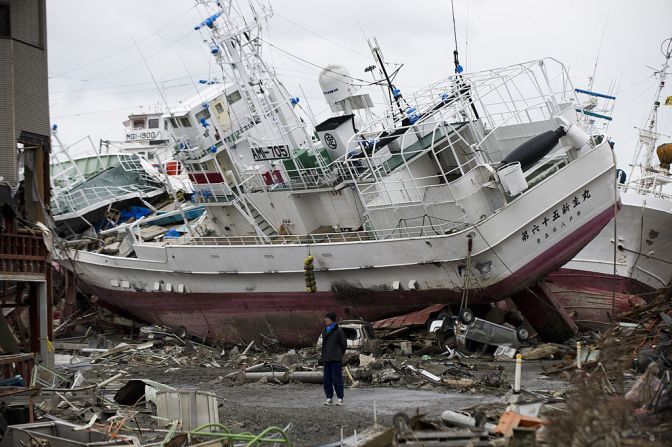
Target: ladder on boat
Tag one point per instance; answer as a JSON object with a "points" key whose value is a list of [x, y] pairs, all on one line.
{"points": [[261, 224]]}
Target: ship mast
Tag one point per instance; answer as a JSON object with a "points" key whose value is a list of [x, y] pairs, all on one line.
{"points": [[648, 135], [235, 42]]}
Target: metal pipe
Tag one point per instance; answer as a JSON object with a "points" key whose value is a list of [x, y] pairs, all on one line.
{"points": [[45, 356], [518, 373], [462, 420], [578, 355], [299, 376]]}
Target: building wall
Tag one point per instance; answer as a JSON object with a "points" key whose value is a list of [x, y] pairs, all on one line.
{"points": [[24, 102]]}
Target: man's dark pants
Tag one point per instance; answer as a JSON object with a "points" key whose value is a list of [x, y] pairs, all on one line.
{"points": [[333, 379]]}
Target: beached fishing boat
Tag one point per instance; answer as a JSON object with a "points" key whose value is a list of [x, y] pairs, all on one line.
{"points": [[466, 191], [91, 188], [635, 258]]}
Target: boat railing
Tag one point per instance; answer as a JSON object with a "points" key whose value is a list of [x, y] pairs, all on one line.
{"points": [[546, 168], [436, 227], [299, 178], [193, 152], [69, 201], [373, 168], [401, 192], [500, 93], [636, 186]]}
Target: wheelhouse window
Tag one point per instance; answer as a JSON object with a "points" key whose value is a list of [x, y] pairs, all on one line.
{"points": [[138, 123], [203, 114], [219, 108], [153, 123], [173, 122], [184, 120], [233, 97]]}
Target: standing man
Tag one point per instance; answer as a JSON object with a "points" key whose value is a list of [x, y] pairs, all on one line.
{"points": [[334, 345]]}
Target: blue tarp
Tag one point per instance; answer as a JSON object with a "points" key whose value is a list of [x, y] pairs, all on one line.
{"points": [[135, 212], [172, 233]]}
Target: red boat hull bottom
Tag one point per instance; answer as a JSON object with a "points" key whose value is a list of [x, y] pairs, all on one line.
{"points": [[293, 319], [595, 299]]}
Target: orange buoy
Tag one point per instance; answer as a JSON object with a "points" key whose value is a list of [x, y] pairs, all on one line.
{"points": [[664, 152]]}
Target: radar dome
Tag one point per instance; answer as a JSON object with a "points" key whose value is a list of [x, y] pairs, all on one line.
{"points": [[664, 152], [336, 84]]}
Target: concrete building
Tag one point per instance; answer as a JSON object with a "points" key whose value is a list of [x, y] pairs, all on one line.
{"points": [[24, 101], [25, 268]]}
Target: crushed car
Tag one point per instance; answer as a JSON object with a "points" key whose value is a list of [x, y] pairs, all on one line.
{"points": [[472, 333]]}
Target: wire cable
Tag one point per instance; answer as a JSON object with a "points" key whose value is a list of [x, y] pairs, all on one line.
{"points": [[333, 42], [452, 5], [364, 82], [121, 50]]}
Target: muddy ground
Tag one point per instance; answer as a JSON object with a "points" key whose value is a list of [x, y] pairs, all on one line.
{"points": [[255, 406]]}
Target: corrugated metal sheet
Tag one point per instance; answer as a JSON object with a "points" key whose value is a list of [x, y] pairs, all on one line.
{"points": [[418, 318], [193, 408]]}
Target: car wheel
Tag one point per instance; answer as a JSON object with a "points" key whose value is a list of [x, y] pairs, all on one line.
{"points": [[522, 333], [467, 316]]}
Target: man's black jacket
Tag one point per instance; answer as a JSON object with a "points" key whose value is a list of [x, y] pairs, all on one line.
{"points": [[334, 345]]}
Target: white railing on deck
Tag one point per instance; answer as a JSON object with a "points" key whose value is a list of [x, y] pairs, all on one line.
{"points": [[400, 232], [636, 186], [70, 201]]}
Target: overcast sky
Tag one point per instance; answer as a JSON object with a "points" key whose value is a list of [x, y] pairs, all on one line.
{"points": [[97, 76]]}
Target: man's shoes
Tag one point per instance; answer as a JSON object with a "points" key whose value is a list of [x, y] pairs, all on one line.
{"points": [[339, 402], [331, 402]]}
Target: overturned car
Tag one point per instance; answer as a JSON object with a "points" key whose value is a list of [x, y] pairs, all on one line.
{"points": [[472, 333]]}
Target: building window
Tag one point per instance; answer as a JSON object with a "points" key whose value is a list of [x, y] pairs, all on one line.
{"points": [[5, 30], [138, 123], [153, 123], [233, 97], [185, 121]]}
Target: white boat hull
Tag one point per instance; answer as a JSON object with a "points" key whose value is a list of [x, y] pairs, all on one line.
{"points": [[643, 251], [235, 292]]}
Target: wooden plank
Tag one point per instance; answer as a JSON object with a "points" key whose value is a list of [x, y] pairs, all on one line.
{"points": [[19, 276], [23, 257]]}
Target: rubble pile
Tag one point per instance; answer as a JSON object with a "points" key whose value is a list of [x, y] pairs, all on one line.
{"points": [[624, 396], [621, 392]]}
